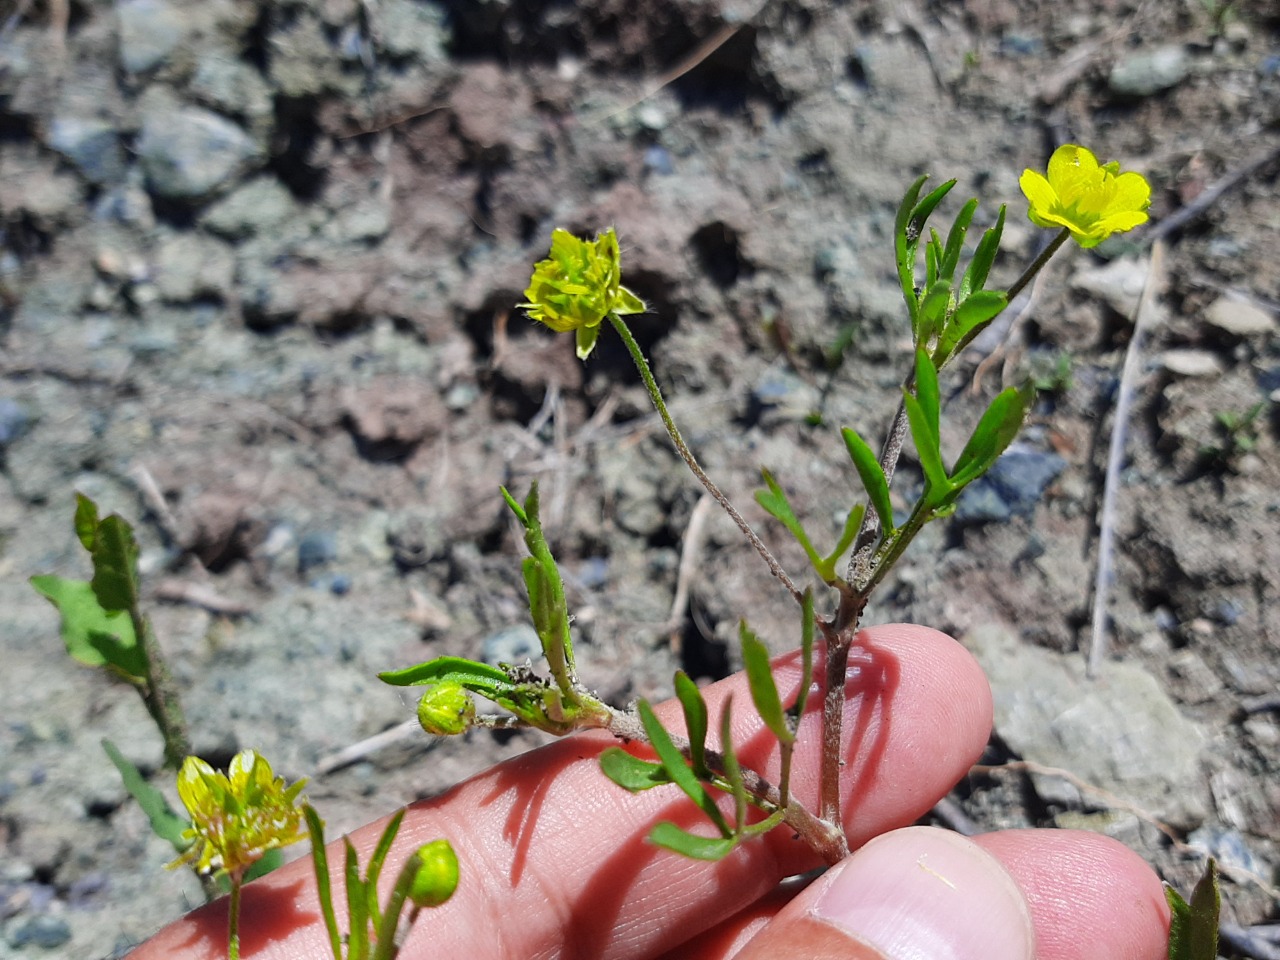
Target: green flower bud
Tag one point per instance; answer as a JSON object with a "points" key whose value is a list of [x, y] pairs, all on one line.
{"points": [[446, 709], [435, 874]]}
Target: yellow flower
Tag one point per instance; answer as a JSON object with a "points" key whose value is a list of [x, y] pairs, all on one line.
{"points": [[238, 816], [578, 286], [1091, 201]]}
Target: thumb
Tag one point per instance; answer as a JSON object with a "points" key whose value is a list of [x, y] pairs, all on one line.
{"points": [[914, 894]]}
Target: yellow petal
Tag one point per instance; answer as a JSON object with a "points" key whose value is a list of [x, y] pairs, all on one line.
{"points": [[1069, 162], [1132, 192], [1037, 190]]}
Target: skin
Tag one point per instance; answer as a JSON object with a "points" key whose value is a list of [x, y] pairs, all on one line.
{"points": [[555, 864]]}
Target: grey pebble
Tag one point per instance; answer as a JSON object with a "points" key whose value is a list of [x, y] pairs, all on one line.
{"points": [[1148, 72], [513, 645], [44, 931], [188, 152]]}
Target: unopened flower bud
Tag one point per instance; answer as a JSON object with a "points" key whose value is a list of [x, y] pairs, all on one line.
{"points": [[446, 709], [435, 874]]}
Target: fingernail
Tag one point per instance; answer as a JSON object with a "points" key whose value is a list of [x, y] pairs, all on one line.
{"points": [[927, 894]]}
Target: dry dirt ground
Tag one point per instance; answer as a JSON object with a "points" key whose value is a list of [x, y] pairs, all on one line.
{"points": [[258, 264]]}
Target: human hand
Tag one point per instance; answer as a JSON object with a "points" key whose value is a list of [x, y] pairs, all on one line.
{"points": [[555, 862]]}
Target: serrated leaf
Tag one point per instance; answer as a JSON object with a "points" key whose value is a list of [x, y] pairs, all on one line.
{"points": [[1193, 928], [115, 565], [764, 690], [775, 503], [670, 837], [695, 721], [86, 521], [632, 773], [993, 434], [677, 767], [165, 824], [955, 240], [975, 277], [93, 636], [871, 474]]}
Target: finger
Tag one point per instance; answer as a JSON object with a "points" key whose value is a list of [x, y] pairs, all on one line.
{"points": [[922, 893], [554, 857]]}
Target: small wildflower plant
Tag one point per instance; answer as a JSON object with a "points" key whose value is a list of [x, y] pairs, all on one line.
{"points": [[948, 301]]}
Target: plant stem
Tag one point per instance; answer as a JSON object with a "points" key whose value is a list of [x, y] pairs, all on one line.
{"points": [[233, 920], [160, 695], [1029, 274], [387, 947], [687, 455]]}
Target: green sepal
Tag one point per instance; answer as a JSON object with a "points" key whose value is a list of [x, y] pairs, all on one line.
{"points": [[1193, 927], [955, 240], [968, 320], [775, 503], [324, 889], [586, 338], [764, 690], [670, 837], [872, 476], [628, 303], [632, 773], [993, 434], [677, 768], [165, 824], [984, 255], [695, 721], [93, 635]]}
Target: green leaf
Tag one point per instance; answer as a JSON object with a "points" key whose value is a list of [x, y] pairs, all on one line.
{"points": [[515, 507], [375, 865], [872, 476], [764, 690], [955, 240], [273, 859], [933, 311], [807, 623], [468, 673], [86, 521], [315, 827], [968, 321], [852, 522], [1193, 929], [357, 904], [975, 277], [671, 837], [695, 720], [776, 504], [904, 245], [732, 769], [115, 564], [993, 434], [94, 636], [927, 393], [932, 254], [165, 824], [677, 768], [632, 773], [927, 449]]}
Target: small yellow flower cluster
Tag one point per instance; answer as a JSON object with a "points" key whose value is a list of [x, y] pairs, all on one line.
{"points": [[578, 286], [1091, 200], [238, 816]]}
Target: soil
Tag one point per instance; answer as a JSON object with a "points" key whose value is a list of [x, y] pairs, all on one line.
{"points": [[258, 269]]}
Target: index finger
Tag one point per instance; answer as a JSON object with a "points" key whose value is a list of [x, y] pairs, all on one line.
{"points": [[555, 860]]}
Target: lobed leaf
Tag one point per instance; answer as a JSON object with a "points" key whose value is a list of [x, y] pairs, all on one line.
{"points": [[86, 521], [94, 636], [872, 476], [115, 564]]}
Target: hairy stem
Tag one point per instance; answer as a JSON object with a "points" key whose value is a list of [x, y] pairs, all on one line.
{"points": [[160, 695], [1036, 265], [687, 455], [233, 920]]}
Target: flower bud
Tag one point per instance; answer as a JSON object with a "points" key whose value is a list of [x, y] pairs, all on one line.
{"points": [[446, 709], [435, 875]]}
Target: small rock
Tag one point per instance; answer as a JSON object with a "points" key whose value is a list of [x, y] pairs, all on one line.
{"points": [[513, 645], [230, 84], [1191, 363], [1012, 487], [254, 208], [412, 29], [1239, 317], [92, 147], [43, 931], [1119, 283], [190, 265], [150, 30], [1119, 732], [316, 549], [657, 159], [1142, 74], [188, 152], [15, 420], [1228, 847]]}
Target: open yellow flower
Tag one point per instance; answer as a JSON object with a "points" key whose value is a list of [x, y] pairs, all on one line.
{"points": [[1092, 201], [238, 816], [578, 286]]}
